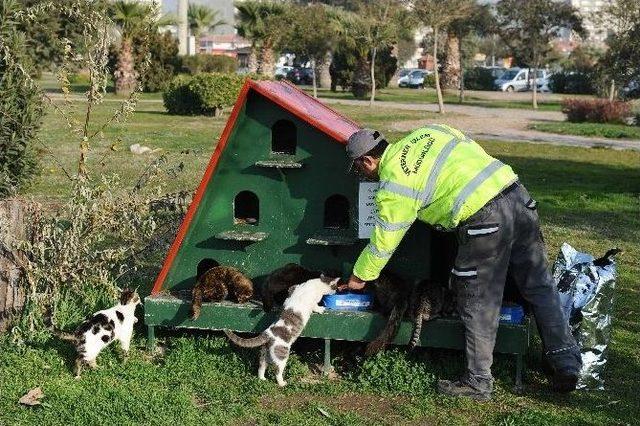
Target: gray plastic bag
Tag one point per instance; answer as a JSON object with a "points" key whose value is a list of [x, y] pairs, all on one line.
{"points": [[586, 286]]}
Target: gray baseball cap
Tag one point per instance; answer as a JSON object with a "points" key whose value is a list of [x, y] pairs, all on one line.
{"points": [[361, 142]]}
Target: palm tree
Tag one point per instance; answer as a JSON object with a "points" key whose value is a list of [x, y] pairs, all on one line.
{"points": [[246, 26], [202, 19], [129, 17], [259, 22]]}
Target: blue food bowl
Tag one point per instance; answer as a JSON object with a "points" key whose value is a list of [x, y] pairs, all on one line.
{"points": [[348, 301], [511, 314]]}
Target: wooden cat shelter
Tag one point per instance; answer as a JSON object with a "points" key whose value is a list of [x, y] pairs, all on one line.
{"points": [[276, 190]]}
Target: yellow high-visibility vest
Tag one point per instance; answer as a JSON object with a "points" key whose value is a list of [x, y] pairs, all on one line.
{"points": [[435, 174]]}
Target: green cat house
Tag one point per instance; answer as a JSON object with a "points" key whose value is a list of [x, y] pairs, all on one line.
{"points": [[275, 191]]}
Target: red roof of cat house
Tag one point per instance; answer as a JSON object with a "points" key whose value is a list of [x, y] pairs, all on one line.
{"points": [[260, 104]]}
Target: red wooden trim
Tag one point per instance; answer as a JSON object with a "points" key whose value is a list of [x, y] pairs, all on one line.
{"points": [[213, 163], [193, 207], [310, 120]]}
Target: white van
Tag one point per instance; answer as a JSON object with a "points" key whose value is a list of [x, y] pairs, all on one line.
{"points": [[517, 80]]}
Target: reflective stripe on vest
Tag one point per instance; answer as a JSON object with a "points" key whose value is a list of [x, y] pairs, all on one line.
{"points": [[473, 184], [387, 226], [425, 196], [379, 253]]}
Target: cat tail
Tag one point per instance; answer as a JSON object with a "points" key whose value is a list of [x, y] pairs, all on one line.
{"points": [[390, 330], [418, 320], [67, 337], [253, 342], [196, 303]]}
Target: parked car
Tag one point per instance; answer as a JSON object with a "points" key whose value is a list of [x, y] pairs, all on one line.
{"points": [[281, 72], [543, 84], [300, 75], [496, 72], [517, 80], [404, 71], [415, 79]]}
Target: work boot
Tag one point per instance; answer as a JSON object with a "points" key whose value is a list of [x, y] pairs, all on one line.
{"points": [[564, 380], [459, 388]]}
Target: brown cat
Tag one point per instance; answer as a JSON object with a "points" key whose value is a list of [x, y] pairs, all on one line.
{"points": [[277, 286], [216, 284], [423, 301]]}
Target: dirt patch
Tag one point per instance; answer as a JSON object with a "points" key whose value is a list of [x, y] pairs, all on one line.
{"points": [[368, 406]]}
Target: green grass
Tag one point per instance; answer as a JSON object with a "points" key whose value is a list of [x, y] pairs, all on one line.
{"points": [[587, 197], [612, 131], [428, 96]]}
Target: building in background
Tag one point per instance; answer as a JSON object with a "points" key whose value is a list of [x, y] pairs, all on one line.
{"points": [[228, 45], [588, 9]]}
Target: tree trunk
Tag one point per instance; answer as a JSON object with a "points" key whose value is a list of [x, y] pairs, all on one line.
{"points": [[461, 94], [612, 90], [252, 62], [324, 74], [360, 83], [267, 61], [125, 74], [313, 72], [12, 294], [435, 70], [452, 66], [373, 76], [535, 86]]}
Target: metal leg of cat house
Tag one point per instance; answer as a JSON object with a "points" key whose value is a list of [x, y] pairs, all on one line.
{"points": [[168, 311]]}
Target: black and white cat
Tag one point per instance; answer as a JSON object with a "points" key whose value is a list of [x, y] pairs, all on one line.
{"points": [[104, 327], [276, 340]]}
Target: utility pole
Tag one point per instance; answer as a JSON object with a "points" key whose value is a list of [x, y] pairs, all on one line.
{"points": [[183, 26]]}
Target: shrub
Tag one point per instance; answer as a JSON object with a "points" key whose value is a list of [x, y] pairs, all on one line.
{"points": [[575, 82], [21, 109], [430, 80], [478, 79], [209, 63], [164, 60], [206, 93], [596, 110], [76, 256], [344, 64], [635, 112]]}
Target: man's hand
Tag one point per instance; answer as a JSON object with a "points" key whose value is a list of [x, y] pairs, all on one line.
{"points": [[354, 283]]}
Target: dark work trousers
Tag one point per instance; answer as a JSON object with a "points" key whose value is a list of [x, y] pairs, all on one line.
{"points": [[505, 234]]}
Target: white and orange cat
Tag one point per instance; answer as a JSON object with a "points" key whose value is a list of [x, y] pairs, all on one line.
{"points": [[276, 340]]}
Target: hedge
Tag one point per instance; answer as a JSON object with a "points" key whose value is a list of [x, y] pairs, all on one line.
{"points": [[208, 63], [596, 111], [478, 78], [573, 82], [203, 94]]}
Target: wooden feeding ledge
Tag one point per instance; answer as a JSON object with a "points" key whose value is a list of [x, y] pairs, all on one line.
{"points": [[279, 162], [239, 235], [245, 216], [331, 240]]}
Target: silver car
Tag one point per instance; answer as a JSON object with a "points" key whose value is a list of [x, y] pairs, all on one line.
{"points": [[518, 80]]}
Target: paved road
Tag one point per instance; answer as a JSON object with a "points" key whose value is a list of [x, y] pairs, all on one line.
{"points": [[508, 124]]}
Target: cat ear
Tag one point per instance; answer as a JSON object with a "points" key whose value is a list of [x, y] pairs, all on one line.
{"points": [[325, 279], [334, 283]]}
